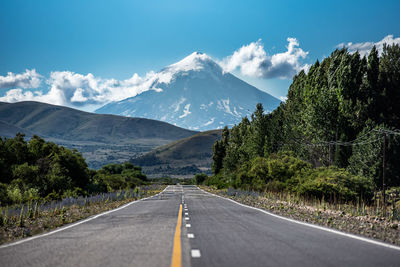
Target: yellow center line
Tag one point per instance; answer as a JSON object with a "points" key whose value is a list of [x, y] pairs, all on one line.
{"points": [[176, 260]]}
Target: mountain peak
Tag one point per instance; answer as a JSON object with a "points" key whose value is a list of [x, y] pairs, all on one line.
{"points": [[194, 93], [195, 61]]}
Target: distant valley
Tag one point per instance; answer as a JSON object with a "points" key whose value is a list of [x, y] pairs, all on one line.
{"points": [[182, 158], [100, 138]]}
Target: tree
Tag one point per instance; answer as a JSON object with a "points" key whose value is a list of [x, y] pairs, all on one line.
{"points": [[259, 131], [219, 151], [200, 178], [389, 80]]}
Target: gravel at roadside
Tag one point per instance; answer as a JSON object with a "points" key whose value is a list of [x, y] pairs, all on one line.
{"points": [[368, 226]]}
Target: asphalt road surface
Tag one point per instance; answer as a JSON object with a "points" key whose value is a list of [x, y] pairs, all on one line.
{"points": [[214, 232]]}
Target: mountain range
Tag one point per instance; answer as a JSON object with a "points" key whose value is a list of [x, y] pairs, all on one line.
{"points": [[194, 93], [100, 138]]}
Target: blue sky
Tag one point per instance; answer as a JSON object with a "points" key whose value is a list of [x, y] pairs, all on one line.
{"points": [[115, 39]]}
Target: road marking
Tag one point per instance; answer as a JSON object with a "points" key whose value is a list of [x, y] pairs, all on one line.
{"points": [[188, 225], [79, 222], [186, 213], [187, 218], [367, 240], [186, 209], [190, 235], [195, 253], [176, 260]]}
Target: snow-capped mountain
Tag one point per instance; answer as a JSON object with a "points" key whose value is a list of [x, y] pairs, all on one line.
{"points": [[194, 93]]}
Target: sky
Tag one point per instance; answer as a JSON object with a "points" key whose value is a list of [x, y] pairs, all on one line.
{"points": [[103, 50]]}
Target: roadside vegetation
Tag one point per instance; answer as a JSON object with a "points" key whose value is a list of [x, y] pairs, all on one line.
{"points": [[327, 140], [36, 217], [358, 219], [44, 185], [40, 170], [334, 141]]}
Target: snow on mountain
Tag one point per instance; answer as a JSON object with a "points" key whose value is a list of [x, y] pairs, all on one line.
{"points": [[194, 93]]}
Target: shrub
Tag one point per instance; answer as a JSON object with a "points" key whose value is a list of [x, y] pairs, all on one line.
{"points": [[259, 170], [334, 183], [200, 178], [14, 194], [217, 181], [276, 173], [283, 166], [4, 198]]}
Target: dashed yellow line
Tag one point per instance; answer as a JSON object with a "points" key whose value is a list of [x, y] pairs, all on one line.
{"points": [[176, 260]]}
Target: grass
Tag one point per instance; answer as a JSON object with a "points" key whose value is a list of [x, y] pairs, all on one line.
{"points": [[359, 219], [35, 221]]}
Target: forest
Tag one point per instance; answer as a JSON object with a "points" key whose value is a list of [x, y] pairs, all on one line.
{"points": [[40, 170], [335, 137]]}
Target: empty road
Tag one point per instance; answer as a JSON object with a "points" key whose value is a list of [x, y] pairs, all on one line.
{"points": [[209, 231]]}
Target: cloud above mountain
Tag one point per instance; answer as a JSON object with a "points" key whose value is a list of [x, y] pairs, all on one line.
{"points": [[74, 89], [28, 79], [79, 90], [364, 48], [252, 60]]}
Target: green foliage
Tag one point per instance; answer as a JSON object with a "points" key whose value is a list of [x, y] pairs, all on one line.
{"points": [[118, 176], [366, 159], [219, 151], [40, 169], [4, 198], [200, 178], [343, 98], [217, 181], [332, 183], [274, 173]]}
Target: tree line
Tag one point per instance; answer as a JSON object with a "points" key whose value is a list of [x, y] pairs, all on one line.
{"points": [[326, 139], [37, 169]]}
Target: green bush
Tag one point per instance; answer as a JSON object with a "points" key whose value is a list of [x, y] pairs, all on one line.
{"points": [[333, 183], [40, 169], [200, 178], [284, 166], [15, 194], [217, 181], [276, 173], [4, 198], [284, 172], [259, 170]]}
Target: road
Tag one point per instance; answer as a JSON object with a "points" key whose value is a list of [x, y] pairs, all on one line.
{"points": [[214, 232]]}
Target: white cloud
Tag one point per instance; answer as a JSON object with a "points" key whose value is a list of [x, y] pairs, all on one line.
{"points": [[88, 92], [77, 90], [252, 60], [209, 122], [365, 48], [283, 98], [28, 79], [78, 96], [186, 111]]}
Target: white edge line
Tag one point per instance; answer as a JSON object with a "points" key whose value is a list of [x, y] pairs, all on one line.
{"points": [[195, 253], [77, 223], [371, 241]]}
